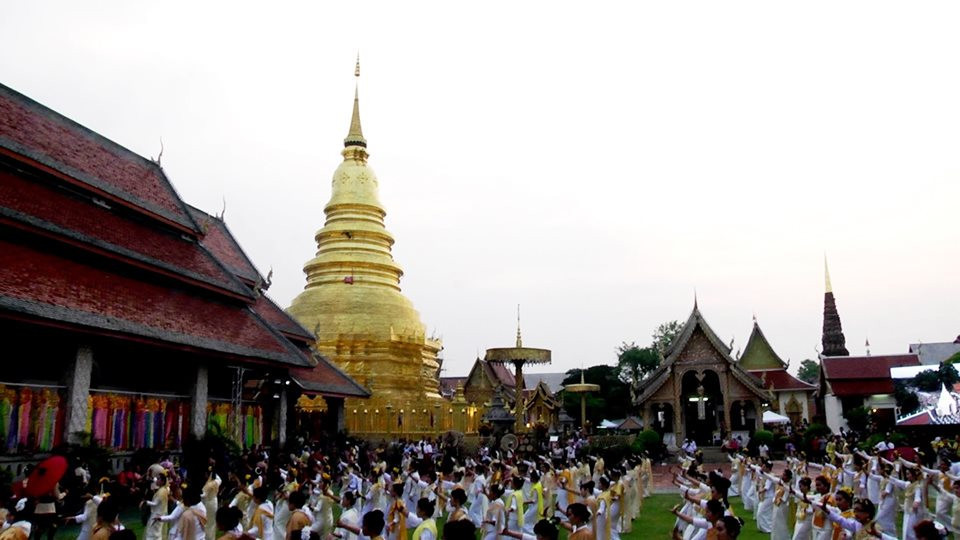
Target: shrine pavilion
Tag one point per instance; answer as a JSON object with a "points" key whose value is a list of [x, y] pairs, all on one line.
{"points": [[699, 391]]}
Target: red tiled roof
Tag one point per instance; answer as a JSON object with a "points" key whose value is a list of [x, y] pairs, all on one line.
{"points": [[220, 241], [327, 379], [279, 319], [863, 387], [921, 419], [502, 374], [865, 367], [31, 130], [780, 379], [64, 216], [56, 290]]}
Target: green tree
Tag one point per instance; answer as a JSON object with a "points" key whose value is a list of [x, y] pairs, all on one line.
{"points": [[634, 364], [611, 402], [858, 418], [906, 397], [930, 380], [664, 335], [809, 371]]}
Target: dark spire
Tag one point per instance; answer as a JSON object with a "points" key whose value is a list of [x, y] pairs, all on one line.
{"points": [[834, 344]]}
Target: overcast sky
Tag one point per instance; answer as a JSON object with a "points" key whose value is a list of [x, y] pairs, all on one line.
{"points": [[593, 162]]}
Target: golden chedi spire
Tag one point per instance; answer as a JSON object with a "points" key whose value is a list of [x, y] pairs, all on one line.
{"points": [[352, 298], [355, 135]]}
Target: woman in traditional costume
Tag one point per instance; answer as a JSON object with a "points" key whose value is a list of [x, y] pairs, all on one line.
{"points": [[495, 518], [803, 526], [210, 492], [781, 508]]}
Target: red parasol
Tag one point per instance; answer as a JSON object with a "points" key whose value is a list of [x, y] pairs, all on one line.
{"points": [[45, 476]]}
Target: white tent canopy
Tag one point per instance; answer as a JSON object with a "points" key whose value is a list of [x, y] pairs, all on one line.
{"points": [[770, 417]]}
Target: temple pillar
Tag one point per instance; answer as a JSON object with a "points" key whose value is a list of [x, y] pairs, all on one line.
{"points": [[727, 406], [282, 419], [677, 424], [78, 391], [198, 402], [338, 409], [759, 408], [646, 415]]}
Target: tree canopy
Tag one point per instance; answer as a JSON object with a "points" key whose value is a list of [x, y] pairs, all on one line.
{"points": [[931, 379], [611, 402], [635, 363], [809, 371], [664, 335]]}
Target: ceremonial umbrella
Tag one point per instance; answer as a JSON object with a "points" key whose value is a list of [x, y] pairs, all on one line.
{"points": [[45, 476]]}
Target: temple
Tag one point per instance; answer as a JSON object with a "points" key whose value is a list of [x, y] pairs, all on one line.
{"points": [[699, 391], [833, 342], [353, 305], [129, 319], [792, 397]]}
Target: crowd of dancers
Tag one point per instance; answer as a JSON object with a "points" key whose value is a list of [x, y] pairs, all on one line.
{"points": [[391, 492], [851, 494], [427, 491]]}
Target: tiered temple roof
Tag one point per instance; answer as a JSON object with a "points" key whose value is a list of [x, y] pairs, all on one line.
{"points": [[697, 325], [94, 239], [761, 361]]}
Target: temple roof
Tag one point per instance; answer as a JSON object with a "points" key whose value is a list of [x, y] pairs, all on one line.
{"points": [[47, 288], [38, 205], [696, 322], [218, 239], [862, 375], [88, 160], [780, 380], [327, 379], [541, 393], [495, 374], [758, 354]]}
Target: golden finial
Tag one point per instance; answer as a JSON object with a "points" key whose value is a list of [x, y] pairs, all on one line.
{"points": [[519, 341], [826, 274], [355, 136]]}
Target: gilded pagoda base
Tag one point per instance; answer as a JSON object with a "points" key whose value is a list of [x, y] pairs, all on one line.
{"points": [[393, 419]]}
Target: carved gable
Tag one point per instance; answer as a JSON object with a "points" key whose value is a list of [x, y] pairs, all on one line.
{"points": [[699, 351]]}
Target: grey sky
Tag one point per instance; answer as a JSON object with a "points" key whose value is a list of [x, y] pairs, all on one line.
{"points": [[594, 162]]}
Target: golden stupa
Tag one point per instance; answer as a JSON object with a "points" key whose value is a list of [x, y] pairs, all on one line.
{"points": [[352, 301]]}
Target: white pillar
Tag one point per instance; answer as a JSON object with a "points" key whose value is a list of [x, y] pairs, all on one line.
{"points": [[833, 410], [198, 403], [78, 390]]}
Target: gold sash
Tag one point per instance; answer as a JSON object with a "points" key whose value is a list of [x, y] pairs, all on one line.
{"points": [[398, 512]]}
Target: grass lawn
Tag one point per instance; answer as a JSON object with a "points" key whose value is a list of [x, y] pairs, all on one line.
{"points": [[656, 521]]}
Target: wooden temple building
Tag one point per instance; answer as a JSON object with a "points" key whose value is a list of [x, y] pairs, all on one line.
{"points": [[699, 391], [129, 318]]}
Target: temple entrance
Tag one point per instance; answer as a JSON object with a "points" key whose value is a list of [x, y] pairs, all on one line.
{"points": [[794, 411], [743, 416], [702, 403], [662, 418]]}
